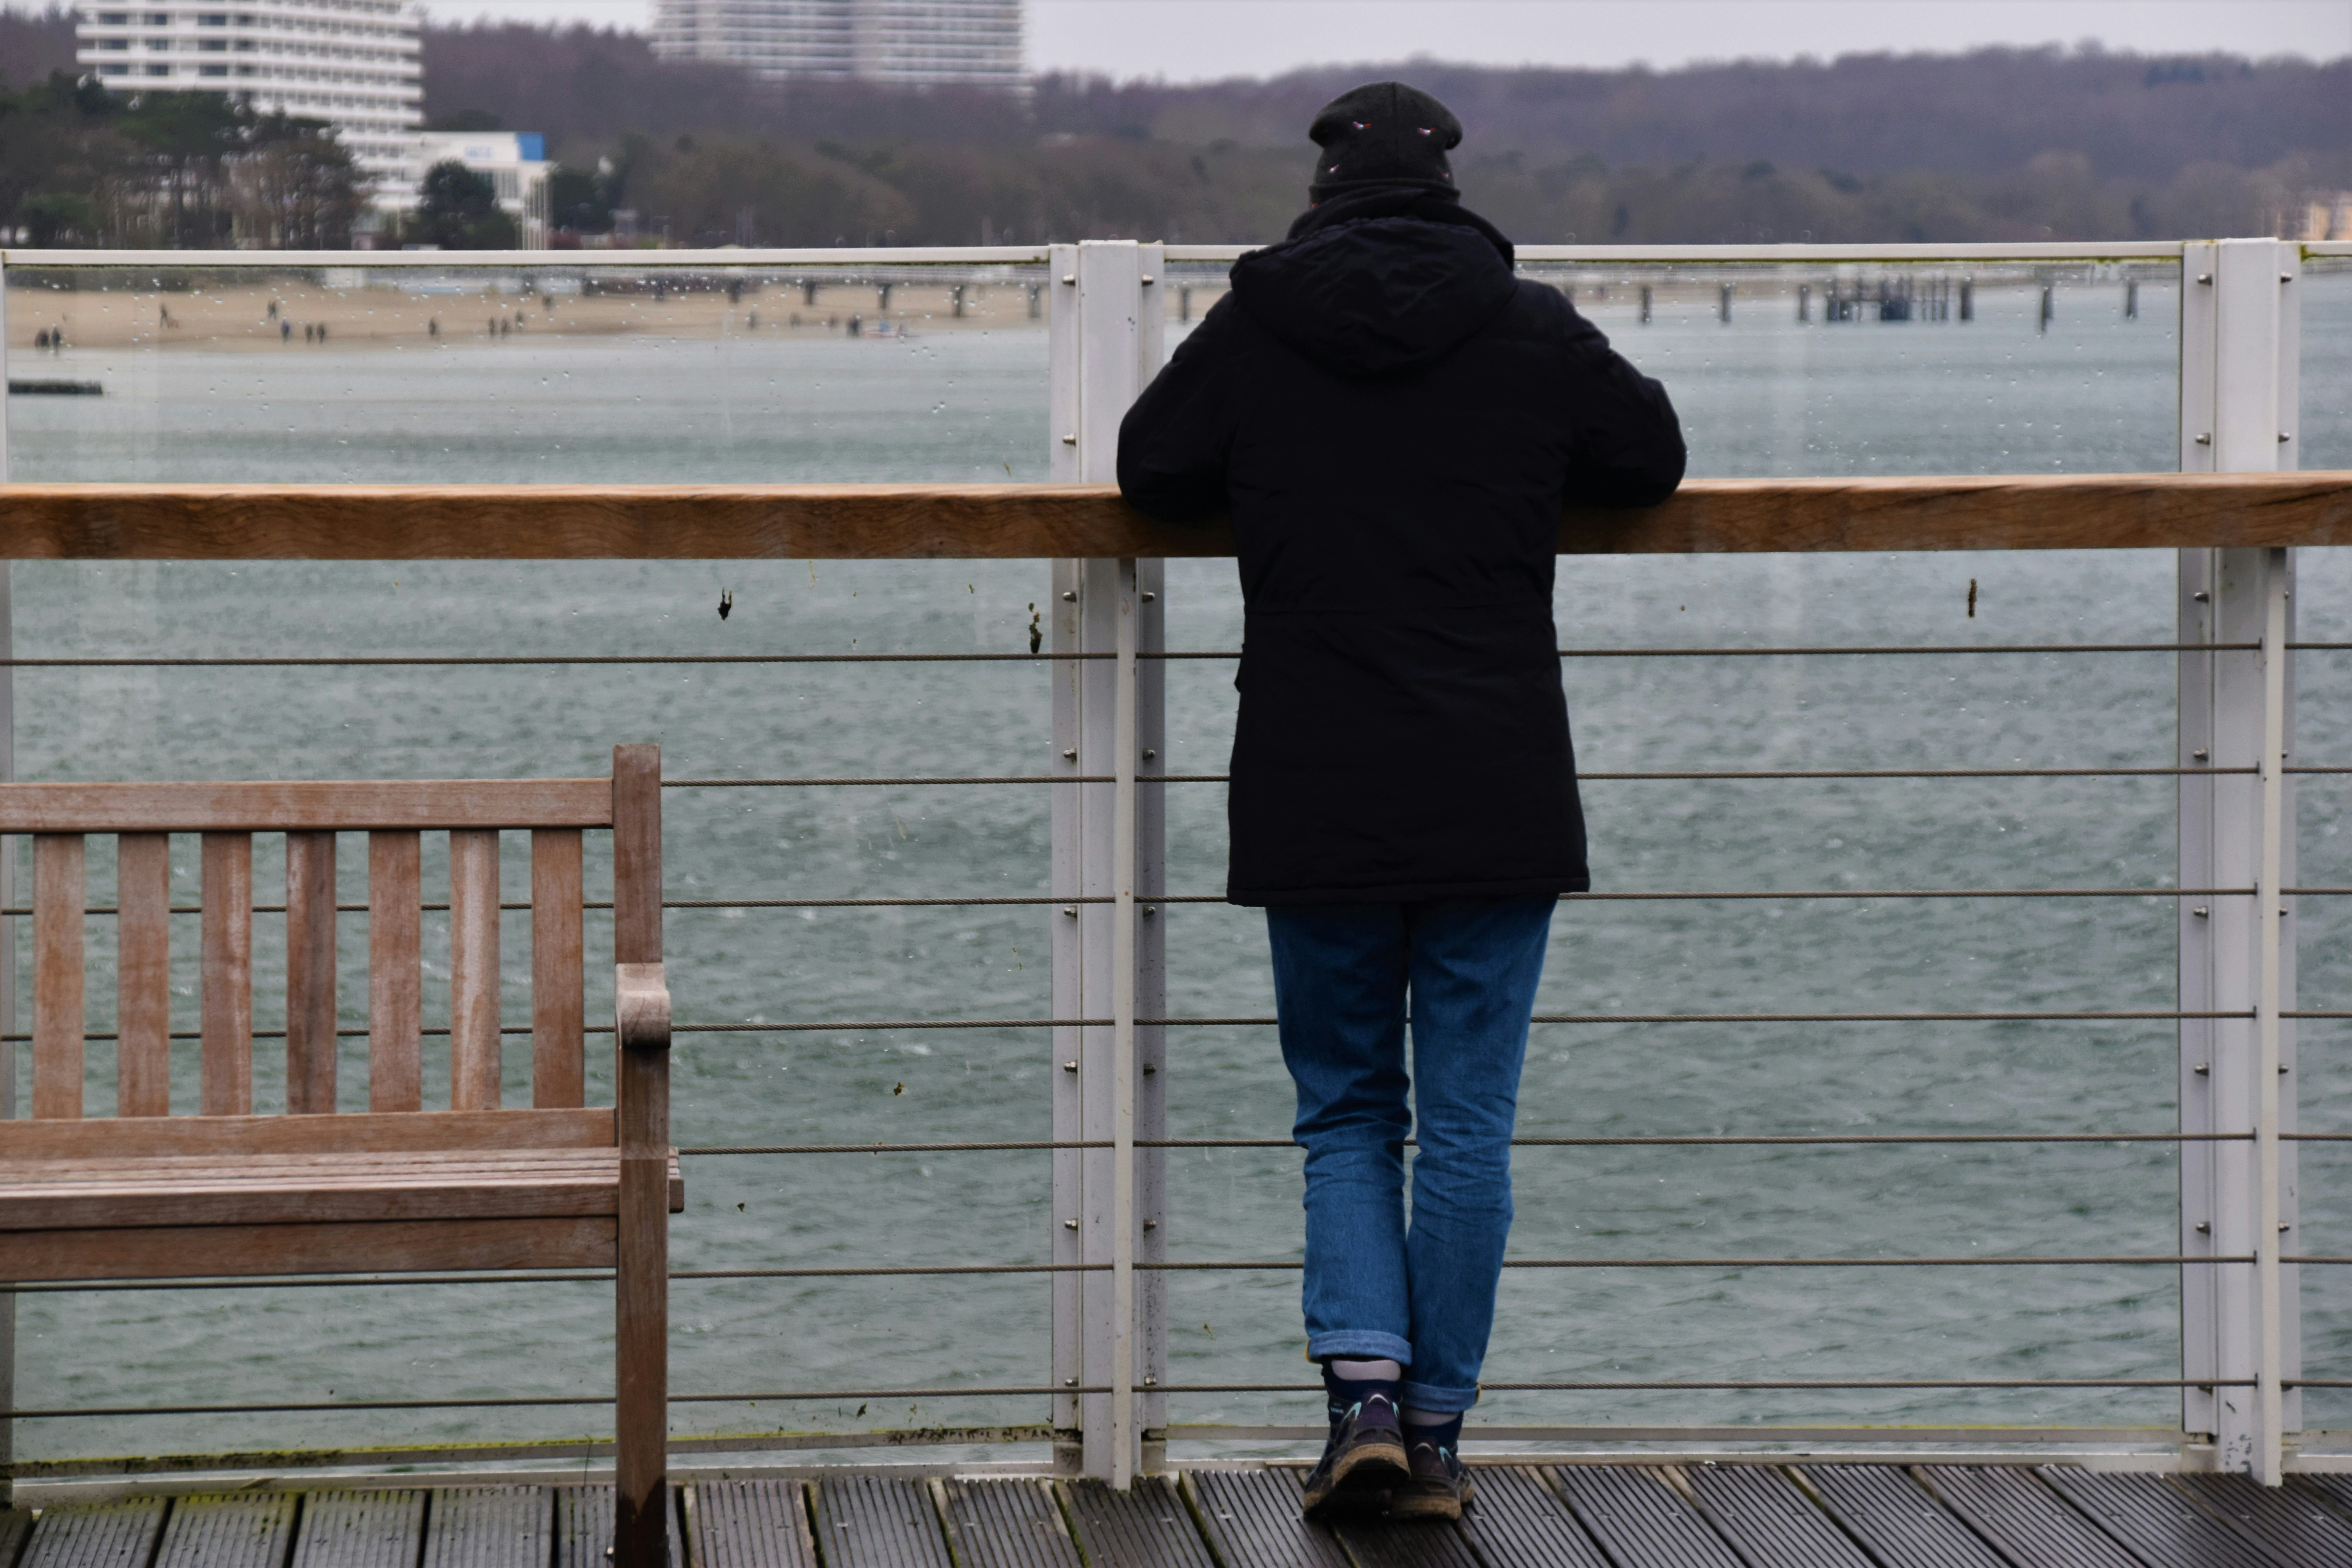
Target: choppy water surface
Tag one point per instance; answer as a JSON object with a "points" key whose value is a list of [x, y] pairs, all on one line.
{"points": [[1762, 395]]}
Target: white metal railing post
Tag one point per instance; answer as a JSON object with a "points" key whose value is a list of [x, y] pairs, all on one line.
{"points": [[2241, 1322], [1105, 342], [8, 923]]}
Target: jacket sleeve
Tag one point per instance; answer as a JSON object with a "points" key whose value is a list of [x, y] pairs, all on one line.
{"points": [[1629, 449], [1174, 442]]}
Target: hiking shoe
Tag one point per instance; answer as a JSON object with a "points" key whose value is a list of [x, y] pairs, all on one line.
{"points": [[1363, 1462], [1438, 1486]]}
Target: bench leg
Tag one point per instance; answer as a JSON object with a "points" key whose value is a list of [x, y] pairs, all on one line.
{"points": [[640, 1520]]}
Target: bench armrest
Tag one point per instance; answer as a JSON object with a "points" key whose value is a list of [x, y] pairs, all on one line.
{"points": [[641, 1006]]}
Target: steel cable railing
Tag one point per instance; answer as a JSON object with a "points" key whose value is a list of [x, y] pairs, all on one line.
{"points": [[1759, 1141], [449, 660]]}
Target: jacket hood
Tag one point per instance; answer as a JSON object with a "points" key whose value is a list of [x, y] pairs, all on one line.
{"points": [[1379, 280]]}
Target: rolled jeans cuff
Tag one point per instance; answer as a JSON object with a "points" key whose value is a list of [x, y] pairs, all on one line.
{"points": [[1360, 1345], [1436, 1401]]}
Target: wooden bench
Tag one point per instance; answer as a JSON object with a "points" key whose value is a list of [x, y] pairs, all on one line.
{"points": [[144, 1195]]}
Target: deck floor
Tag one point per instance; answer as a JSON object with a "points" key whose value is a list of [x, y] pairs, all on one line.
{"points": [[1525, 1516]]}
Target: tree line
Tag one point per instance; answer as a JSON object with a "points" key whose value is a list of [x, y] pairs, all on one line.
{"points": [[185, 171], [1992, 144]]}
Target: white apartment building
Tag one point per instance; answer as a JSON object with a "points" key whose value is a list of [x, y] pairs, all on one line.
{"points": [[913, 42], [515, 161], [352, 63]]}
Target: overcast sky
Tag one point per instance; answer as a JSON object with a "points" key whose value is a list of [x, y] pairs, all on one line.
{"points": [[1189, 40]]}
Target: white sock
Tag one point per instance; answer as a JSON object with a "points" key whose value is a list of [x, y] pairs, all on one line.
{"points": [[1430, 1418], [1366, 1371]]}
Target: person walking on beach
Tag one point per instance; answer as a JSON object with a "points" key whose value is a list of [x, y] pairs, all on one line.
{"points": [[1393, 421]]}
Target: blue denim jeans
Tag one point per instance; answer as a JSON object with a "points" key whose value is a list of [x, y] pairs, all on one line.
{"points": [[1423, 1295]]}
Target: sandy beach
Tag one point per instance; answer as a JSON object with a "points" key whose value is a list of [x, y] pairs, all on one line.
{"points": [[390, 308]]}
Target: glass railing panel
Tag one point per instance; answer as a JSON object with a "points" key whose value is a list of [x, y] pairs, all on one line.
{"points": [[1762, 395], [1884, 370], [1923, 711], [2324, 922], [753, 966], [578, 374], [1792, 370], [2326, 362]]}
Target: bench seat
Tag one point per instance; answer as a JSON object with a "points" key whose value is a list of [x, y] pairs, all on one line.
{"points": [[291, 1189], [174, 1215]]}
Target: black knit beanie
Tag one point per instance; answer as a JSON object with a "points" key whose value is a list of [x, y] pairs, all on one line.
{"points": [[1383, 134]]}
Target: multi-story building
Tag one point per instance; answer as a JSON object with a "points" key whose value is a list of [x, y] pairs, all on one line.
{"points": [[974, 43], [351, 63], [515, 163]]}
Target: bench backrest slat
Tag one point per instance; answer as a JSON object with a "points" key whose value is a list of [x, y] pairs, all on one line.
{"points": [[558, 1020], [395, 815], [395, 971], [310, 973], [472, 968], [58, 906], [227, 987], [143, 968]]}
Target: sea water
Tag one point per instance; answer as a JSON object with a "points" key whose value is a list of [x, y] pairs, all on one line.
{"points": [[1761, 394]]}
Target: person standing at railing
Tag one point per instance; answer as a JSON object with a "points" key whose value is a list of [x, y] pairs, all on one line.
{"points": [[1394, 420]]}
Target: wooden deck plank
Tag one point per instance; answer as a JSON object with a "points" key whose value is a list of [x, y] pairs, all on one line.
{"points": [[751, 1524], [584, 1528], [1251, 1519], [361, 1530], [877, 1522], [1895, 1516], [1769, 1520], [238, 1530], [1007, 1525], [2333, 1491], [2157, 1523], [1375, 1541], [1514, 1519], [96, 1535], [1148, 1526], [2009, 1506], [490, 1527], [2289, 1522], [1638, 1519], [16, 1525]]}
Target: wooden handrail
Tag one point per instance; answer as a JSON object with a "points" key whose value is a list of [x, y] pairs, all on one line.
{"points": [[541, 522]]}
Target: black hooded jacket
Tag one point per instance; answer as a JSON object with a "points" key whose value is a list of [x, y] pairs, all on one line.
{"points": [[1394, 420]]}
